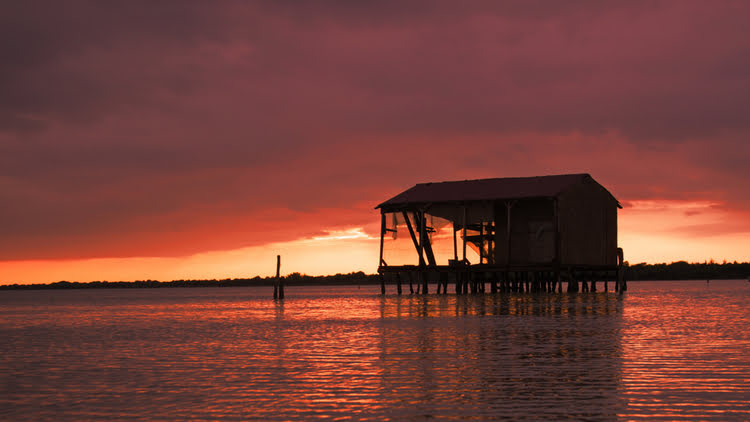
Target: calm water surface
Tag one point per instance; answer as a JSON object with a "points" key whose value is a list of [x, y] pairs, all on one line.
{"points": [[665, 350]]}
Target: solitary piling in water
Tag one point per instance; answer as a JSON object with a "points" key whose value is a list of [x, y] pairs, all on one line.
{"points": [[278, 287]]}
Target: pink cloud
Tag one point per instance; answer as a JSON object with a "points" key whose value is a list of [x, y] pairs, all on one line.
{"points": [[162, 130]]}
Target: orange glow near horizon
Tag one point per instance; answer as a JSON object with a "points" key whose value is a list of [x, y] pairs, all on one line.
{"points": [[656, 231], [649, 231], [342, 251]]}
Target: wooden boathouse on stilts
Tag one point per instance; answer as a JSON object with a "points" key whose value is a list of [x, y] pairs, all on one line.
{"points": [[520, 234]]}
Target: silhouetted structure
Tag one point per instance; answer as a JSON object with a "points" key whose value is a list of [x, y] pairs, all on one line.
{"points": [[517, 234]]}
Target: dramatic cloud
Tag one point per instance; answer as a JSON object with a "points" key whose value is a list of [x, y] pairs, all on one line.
{"points": [[172, 128]]}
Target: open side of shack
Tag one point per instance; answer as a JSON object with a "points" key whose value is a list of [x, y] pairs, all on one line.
{"points": [[520, 233]]}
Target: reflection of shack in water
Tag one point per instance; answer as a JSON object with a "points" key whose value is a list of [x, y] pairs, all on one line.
{"points": [[600, 304], [524, 234], [538, 356]]}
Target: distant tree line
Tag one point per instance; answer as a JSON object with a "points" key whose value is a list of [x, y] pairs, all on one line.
{"points": [[294, 279], [680, 270]]}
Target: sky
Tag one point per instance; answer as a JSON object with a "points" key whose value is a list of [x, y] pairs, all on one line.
{"points": [[193, 139]]}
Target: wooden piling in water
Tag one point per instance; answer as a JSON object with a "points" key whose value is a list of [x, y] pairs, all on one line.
{"points": [[278, 287], [527, 280], [620, 284]]}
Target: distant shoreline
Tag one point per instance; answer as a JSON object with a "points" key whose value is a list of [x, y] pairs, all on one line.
{"points": [[639, 272], [294, 279]]}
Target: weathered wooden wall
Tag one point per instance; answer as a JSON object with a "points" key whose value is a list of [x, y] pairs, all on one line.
{"points": [[531, 235], [587, 218]]}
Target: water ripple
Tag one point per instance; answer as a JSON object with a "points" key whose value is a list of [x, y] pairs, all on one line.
{"points": [[669, 351]]}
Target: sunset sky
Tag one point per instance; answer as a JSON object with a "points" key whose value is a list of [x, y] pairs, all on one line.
{"points": [[181, 139]]}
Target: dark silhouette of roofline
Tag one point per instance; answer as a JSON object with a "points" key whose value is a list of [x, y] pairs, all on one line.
{"points": [[505, 188]]}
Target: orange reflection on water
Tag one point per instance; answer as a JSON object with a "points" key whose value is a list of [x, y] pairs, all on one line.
{"points": [[342, 352], [684, 354]]}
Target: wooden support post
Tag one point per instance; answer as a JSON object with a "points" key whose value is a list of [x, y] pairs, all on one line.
{"points": [[525, 276], [464, 233], [481, 242], [593, 285], [620, 285], [421, 221], [606, 283], [382, 284], [540, 282], [490, 243], [411, 286], [508, 206], [420, 227], [382, 235], [279, 281], [398, 283], [570, 282], [553, 281], [413, 236], [455, 243], [528, 282]]}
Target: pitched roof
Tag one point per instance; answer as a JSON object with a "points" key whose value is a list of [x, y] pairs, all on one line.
{"points": [[487, 189]]}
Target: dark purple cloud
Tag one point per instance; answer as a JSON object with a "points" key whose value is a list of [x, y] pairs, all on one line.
{"points": [[160, 128]]}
